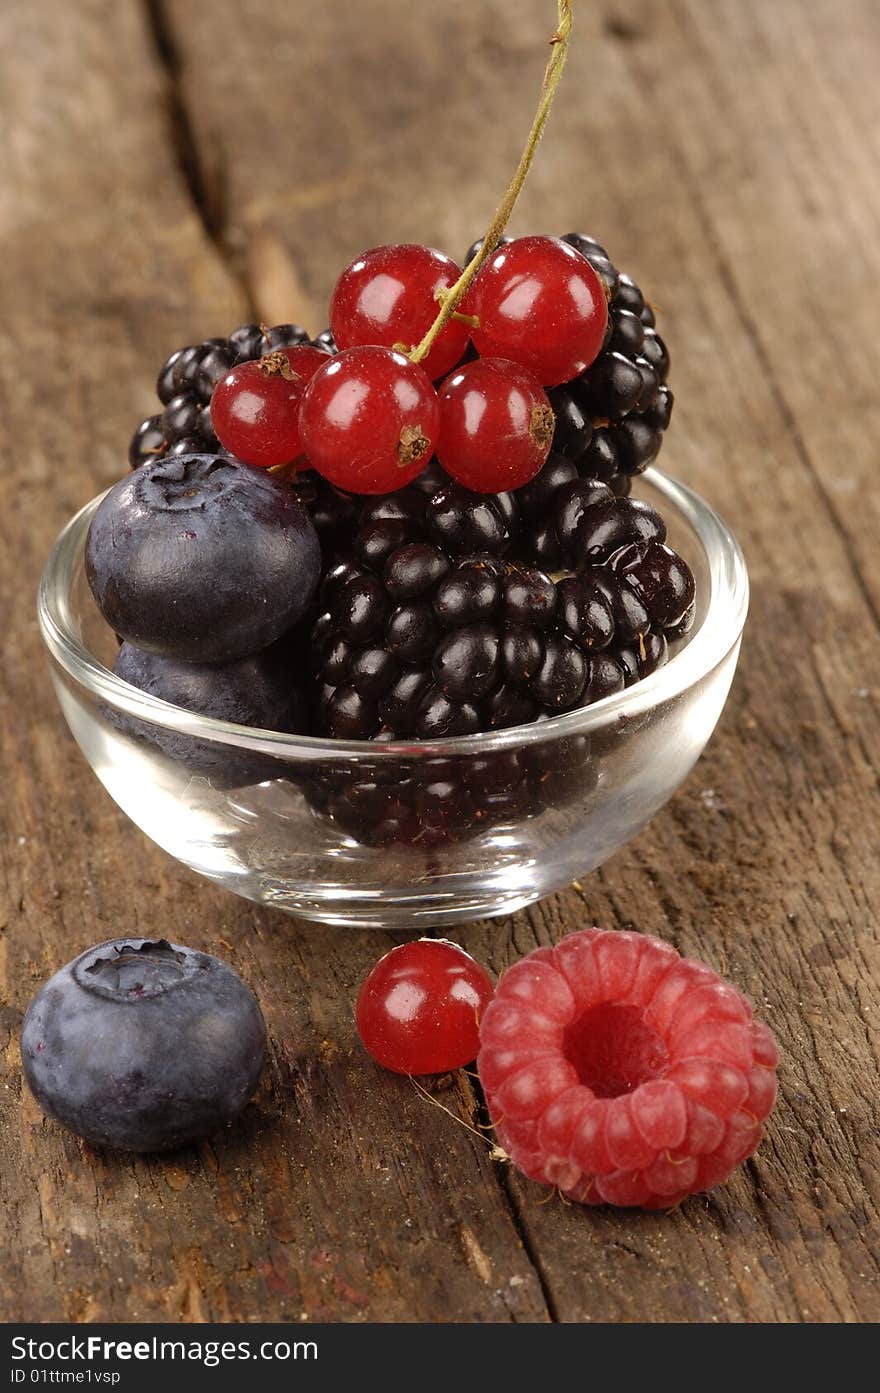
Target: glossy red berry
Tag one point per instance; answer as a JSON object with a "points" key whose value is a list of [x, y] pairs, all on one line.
{"points": [[255, 407], [418, 1010], [540, 303], [369, 420], [496, 425], [389, 296]]}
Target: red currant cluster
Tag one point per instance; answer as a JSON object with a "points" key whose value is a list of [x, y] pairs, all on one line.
{"points": [[401, 389]]}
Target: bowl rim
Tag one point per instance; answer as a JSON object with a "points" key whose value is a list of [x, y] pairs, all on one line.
{"points": [[710, 644]]}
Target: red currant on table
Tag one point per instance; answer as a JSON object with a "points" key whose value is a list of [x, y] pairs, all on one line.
{"points": [[255, 407], [540, 303], [389, 296], [418, 1010], [369, 420], [496, 425]]}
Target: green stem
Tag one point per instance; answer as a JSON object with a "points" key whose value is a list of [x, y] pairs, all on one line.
{"points": [[495, 230]]}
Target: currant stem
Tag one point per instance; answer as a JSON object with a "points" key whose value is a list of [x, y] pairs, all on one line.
{"points": [[495, 230]]}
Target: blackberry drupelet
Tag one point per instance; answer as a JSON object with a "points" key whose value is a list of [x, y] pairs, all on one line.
{"points": [[326, 340], [147, 442], [474, 248]]}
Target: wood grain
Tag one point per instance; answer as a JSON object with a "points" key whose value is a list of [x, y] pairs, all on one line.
{"points": [[725, 153]]}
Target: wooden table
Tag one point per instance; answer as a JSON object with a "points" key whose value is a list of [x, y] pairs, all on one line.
{"points": [[173, 168]]}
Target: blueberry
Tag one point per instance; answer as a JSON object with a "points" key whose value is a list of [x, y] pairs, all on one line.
{"points": [[143, 1045], [202, 558], [258, 691]]}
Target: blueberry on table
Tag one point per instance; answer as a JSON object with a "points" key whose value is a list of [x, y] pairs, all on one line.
{"points": [[202, 558], [260, 691], [143, 1045]]}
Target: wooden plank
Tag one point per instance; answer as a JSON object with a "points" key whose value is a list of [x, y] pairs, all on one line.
{"points": [[336, 1198], [724, 153]]}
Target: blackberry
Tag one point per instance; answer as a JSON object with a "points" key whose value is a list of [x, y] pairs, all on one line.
{"points": [[326, 340], [444, 800], [570, 522], [433, 625]]}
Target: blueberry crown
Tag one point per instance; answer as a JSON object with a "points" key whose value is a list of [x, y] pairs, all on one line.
{"points": [[133, 970]]}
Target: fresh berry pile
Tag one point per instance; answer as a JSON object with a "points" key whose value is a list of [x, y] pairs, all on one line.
{"points": [[620, 1073], [426, 509]]}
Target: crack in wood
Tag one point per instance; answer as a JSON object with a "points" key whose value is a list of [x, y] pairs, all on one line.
{"points": [[203, 179], [503, 1175]]}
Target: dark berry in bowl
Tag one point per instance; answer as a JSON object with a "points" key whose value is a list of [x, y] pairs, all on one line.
{"points": [[260, 691], [148, 442], [143, 1045], [201, 558], [661, 579]]}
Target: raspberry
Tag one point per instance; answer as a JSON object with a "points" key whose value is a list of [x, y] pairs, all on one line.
{"points": [[623, 1074]]}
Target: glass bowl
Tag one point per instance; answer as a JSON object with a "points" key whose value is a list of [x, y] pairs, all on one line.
{"points": [[403, 835]]}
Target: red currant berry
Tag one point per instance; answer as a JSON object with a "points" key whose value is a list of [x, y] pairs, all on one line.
{"points": [[496, 425], [389, 296], [369, 420], [540, 303], [419, 1009], [255, 407]]}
